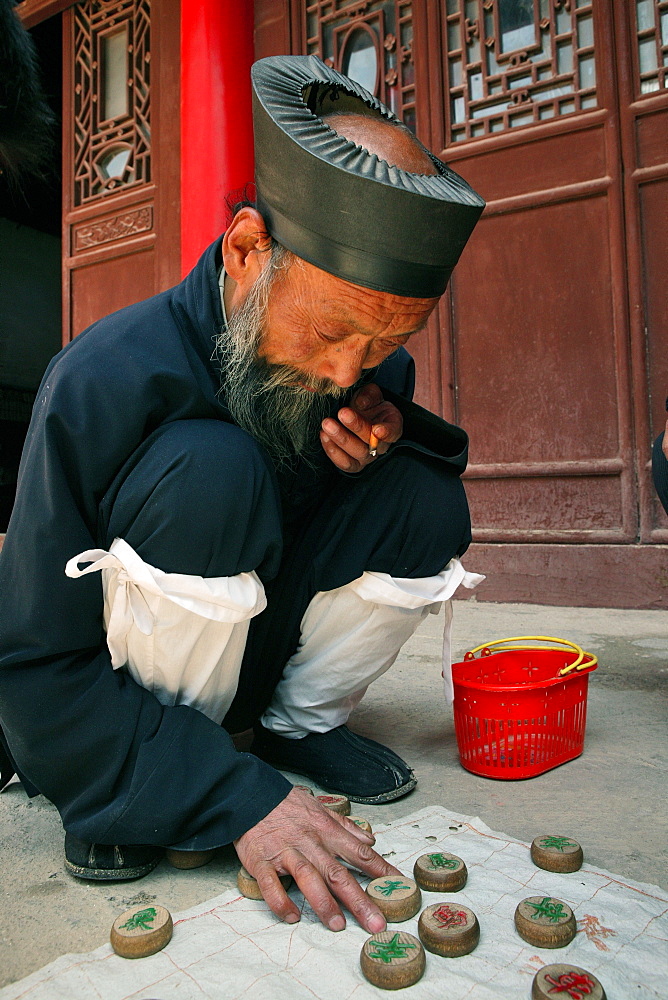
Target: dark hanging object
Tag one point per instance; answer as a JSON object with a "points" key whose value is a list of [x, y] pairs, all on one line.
{"points": [[26, 121]]}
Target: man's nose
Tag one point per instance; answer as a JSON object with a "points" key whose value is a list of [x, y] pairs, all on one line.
{"points": [[344, 365]]}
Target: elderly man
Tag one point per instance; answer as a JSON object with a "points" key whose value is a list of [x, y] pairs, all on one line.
{"points": [[230, 515]]}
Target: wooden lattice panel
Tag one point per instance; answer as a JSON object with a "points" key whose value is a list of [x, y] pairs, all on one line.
{"points": [[516, 62], [651, 45], [370, 41], [112, 129]]}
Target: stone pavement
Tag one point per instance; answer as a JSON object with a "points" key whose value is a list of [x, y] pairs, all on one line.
{"points": [[612, 798]]}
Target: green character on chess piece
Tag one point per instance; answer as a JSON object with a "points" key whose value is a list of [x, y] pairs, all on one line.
{"points": [[557, 842], [387, 950], [440, 861], [391, 886], [549, 908], [398, 899], [545, 922], [392, 960], [142, 920]]}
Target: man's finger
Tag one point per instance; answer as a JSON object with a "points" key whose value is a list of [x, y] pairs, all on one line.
{"points": [[363, 857], [368, 396], [341, 459], [384, 420], [363, 428], [274, 894], [315, 890], [345, 887], [340, 884], [355, 423], [351, 434], [357, 831]]}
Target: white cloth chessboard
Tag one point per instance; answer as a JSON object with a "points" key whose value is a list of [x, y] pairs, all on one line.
{"points": [[231, 947]]}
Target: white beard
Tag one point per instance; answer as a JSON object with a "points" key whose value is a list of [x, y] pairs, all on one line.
{"points": [[265, 399]]}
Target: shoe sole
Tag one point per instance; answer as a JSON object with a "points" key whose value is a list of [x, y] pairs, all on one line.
{"points": [[110, 874], [368, 800], [377, 800]]}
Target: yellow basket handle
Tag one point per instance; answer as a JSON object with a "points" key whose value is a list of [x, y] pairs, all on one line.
{"points": [[578, 664]]}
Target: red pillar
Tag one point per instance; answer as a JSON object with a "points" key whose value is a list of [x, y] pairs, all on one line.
{"points": [[216, 124]]}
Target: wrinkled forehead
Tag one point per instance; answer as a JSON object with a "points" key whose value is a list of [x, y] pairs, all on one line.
{"points": [[333, 300]]}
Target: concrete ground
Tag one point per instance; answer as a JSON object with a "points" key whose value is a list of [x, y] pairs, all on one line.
{"points": [[612, 799]]}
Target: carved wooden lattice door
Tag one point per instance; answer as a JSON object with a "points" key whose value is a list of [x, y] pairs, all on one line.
{"points": [[532, 351], [120, 218], [538, 342]]}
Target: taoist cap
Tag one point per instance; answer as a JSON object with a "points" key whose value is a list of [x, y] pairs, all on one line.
{"points": [[338, 206]]}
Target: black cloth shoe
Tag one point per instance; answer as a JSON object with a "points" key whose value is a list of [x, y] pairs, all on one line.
{"points": [[339, 761], [109, 862]]}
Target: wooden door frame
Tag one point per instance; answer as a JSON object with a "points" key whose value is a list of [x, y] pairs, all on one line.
{"points": [[32, 12], [634, 109]]}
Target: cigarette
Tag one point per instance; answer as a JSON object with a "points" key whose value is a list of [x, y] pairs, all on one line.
{"points": [[373, 445]]}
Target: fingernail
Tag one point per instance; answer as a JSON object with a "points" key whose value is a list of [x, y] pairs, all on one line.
{"points": [[325, 438], [377, 924], [337, 923], [292, 918]]}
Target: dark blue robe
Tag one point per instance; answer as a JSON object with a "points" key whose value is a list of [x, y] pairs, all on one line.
{"points": [[119, 766]]}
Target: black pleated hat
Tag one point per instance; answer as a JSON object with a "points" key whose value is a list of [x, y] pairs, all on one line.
{"points": [[340, 207]]}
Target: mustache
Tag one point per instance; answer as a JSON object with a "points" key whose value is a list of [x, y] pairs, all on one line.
{"points": [[295, 380]]}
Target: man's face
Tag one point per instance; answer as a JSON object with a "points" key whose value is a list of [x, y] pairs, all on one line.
{"points": [[325, 327], [299, 338]]}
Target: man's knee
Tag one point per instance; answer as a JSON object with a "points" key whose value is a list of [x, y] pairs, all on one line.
{"points": [[427, 501], [407, 517], [197, 497]]}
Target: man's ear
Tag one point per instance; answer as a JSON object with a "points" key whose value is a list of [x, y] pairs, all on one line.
{"points": [[246, 247]]}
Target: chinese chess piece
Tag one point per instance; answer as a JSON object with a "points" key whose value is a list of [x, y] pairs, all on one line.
{"points": [[392, 960], [545, 922], [141, 931]]}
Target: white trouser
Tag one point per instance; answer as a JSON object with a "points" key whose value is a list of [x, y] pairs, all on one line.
{"points": [[183, 637], [349, 637]]}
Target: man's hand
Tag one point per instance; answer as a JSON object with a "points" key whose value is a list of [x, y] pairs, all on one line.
{"points": [[346, 440], [665, 441], [302, 838]]}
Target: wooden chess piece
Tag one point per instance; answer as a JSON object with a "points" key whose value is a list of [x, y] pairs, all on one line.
{"points": [[397, 898], [556, 854], [563, 982], [545, 922], [337, 803], [440, 872], [449, 929], [186, 860], [392, 960], [249, 887], [141, 931]]}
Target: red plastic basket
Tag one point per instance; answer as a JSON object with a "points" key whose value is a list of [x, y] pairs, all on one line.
{"points": [[520, 711]]}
